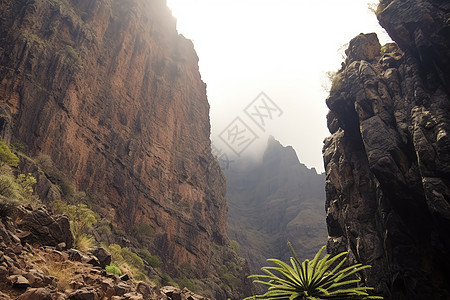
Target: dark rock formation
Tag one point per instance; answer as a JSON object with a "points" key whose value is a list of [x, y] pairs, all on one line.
{"points": [[388, 159], [274, 201], [39, 225], [112, 93]]}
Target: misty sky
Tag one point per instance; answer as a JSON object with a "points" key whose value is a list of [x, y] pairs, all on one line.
{"points": [[280, 47]]}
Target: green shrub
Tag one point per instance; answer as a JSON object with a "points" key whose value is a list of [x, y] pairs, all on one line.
{"points": [[311, 280], [26, 183], [81, 220], [67, 189], [7, 157], [152, 260], [187, 283], [113, 269], [46, 163], [167, 280], [18, 147], [132, 258], [85, 243], [234, 246], [227, 278], [186, 268], [10, 188], [7, 207], [139, 276], [72, 53]]}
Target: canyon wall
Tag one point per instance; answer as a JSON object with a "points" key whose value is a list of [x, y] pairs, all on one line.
{"points": [[274, 201], [388, 158], [112, 93]]}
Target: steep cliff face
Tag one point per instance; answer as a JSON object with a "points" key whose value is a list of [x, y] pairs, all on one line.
{"points": [[113, 94], [388, 158], [274, 201]]}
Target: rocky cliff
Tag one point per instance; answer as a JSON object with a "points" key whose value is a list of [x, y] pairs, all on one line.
{"points": [[274, 201], [112, 93], [388, 158]]}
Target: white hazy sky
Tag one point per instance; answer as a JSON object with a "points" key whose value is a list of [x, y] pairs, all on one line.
{"points": [[280, 47]]}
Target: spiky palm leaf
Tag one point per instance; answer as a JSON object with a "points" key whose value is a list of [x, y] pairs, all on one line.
{"points": [[312, 280]]}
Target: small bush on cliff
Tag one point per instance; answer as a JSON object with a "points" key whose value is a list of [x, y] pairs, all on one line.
{"points": [[7, 206], [7, 157], [127, 261], [313, 280], [113, 269], [152, 260], [10, 188], [81, 220]]}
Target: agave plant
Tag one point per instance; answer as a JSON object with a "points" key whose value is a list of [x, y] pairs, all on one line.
{"points": [[313, 280]]}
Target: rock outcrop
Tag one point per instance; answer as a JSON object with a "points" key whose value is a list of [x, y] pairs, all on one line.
{"points": [[274, 201], [388, 159], [112, 93], [40, 271]]}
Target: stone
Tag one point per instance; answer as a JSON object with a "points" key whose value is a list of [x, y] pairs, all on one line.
{"points": [[61, 246], [172, 292], [4, 296], [84, 294], [3, 272], [147, 290], [18, 281], [189, 295], [124, 277], [122, 288], [75, 255], [103, 256], [107, 287], [133, 296], [35, 278], [92, 260], [36, 294], [45, 229]]}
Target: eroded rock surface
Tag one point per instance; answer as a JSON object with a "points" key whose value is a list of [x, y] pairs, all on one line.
{"points": [[388, 159], [112, 93]]}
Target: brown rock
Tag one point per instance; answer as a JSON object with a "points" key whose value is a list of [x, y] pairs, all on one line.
{"points": [[44, 228], [133, 296], [18, 281], [172, 292], [121, 288], [4, 296], [3, 272], [35, 278], [107, 287], [84, 294], [363, 47], [103, 256], [147, 290], [36, 294]]}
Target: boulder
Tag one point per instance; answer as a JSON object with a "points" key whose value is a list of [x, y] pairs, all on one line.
{"points": [[103, 256], [84, 294], [45, 228], [36, 294], [19, 281]]}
